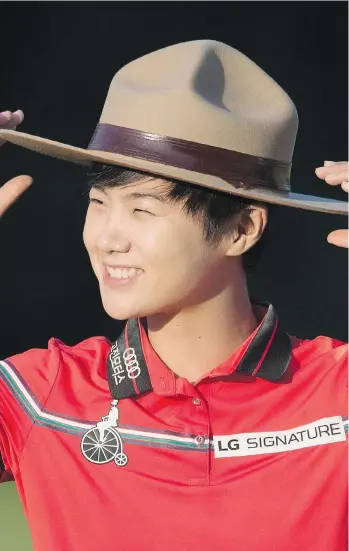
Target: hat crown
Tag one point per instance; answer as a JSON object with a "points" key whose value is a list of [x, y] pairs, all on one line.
{"points": [[207, 92]]}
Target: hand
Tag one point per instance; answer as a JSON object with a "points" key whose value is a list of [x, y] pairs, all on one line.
{"points": [[13, 189], [336, 174]]}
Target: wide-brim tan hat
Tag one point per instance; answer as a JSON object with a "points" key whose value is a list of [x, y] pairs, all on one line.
{"points": [[200, 112]]}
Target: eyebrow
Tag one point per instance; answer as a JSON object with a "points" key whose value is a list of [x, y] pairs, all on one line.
{"points": [[138, 195]]}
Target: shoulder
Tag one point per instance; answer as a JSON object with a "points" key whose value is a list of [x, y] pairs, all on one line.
{"points": [[86, 350], [321, 362], [56, 349], [39, 367], [325, 348]]}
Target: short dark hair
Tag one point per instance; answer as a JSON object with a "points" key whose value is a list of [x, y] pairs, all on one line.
{"points": [[216, 209]]}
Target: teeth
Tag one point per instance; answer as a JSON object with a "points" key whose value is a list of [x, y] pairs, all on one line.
{"points": [[122, 273]]}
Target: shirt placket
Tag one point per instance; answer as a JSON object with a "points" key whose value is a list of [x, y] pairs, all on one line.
{"points": [[200, 433]]}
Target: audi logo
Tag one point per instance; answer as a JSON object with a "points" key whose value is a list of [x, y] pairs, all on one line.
{"points": [[131, 363]]}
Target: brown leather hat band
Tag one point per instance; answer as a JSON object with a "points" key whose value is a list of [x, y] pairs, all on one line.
{"points": [[239, 169]]}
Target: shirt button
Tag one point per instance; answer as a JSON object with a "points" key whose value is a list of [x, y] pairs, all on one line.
{"points": [[200, 440], [196, 401]]}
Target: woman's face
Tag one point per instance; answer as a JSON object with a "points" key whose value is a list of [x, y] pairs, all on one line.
{"points": [[148, 255]]}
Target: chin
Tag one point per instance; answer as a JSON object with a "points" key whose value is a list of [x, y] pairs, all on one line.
{"points": [[124, 310], [129, 305], [119, 312]]}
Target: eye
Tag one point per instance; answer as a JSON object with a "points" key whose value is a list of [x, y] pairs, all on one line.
{"points": [[96, 201], [142, 210]]}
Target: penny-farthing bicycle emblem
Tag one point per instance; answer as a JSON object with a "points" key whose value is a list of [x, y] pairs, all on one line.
{"points": [[103, 443]]}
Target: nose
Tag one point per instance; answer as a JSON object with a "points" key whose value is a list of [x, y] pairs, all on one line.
{"points": [[113, 239]]}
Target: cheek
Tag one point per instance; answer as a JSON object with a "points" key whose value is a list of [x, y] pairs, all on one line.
{"points": [[89, 233], [177, 253], [89, 238], [86, 237]]}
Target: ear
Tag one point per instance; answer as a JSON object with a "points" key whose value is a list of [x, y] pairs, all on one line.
{"points": [[248, 228]]}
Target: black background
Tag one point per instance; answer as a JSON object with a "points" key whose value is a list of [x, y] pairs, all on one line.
{"points": [[56, 62]]}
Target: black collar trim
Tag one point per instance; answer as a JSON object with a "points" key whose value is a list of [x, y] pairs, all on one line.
{"points": [[269, 352], [267, 357], [127, 370]]}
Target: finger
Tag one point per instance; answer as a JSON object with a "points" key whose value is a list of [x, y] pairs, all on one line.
{"points": [[5, 117], [17, 117], [12, 190], [338, 178], [331, 163], [338, 238], [10, 120], [333, 168]]}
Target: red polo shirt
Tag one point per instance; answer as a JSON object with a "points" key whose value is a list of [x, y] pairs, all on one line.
{"points": [[109, 450]]}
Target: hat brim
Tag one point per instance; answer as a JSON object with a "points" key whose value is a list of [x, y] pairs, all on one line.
{"points": [[88, 156]]}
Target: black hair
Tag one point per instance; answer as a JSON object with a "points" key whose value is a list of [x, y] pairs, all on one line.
{"points": [[216, 209]]}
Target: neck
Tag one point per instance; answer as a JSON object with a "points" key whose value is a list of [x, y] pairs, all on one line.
{"points": [[207, 333]]}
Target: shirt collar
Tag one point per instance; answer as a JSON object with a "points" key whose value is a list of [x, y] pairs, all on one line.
{"points": [[133, 367]]}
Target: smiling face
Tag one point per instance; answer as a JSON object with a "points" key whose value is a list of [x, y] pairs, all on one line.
{"points": [[149, 256]]}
